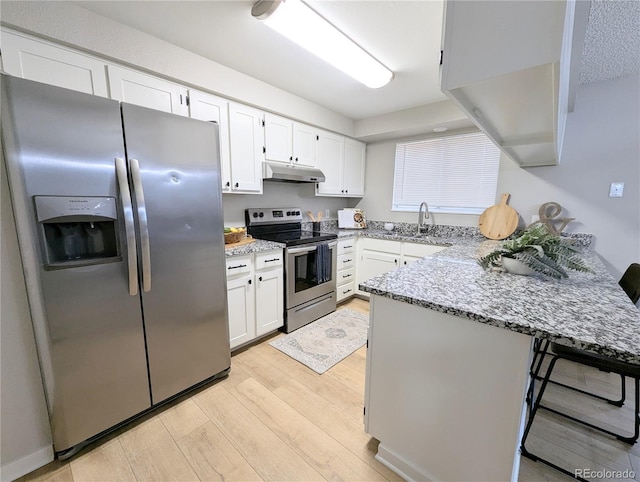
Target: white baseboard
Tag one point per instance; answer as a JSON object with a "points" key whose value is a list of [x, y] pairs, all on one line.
{"points": [[401, 466], [23, 466]]}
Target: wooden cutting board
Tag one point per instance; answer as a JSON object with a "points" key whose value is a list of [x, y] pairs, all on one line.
{"points": [[499, 221]]}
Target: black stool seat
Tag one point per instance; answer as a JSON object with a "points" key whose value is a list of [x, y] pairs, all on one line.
{"points": [[596, 360]]}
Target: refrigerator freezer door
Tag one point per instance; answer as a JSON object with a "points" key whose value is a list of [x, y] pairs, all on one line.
{"points": [[89, 329], [185, 309]]}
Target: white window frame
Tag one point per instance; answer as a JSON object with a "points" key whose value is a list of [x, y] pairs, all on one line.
{"points": [[485, 158]]}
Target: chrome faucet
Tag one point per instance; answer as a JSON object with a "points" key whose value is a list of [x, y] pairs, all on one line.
{"points": [[422, 215]]}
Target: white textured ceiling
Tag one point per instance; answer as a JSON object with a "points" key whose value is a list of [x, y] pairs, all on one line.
{"points": [[612, 41], [405, 35]]}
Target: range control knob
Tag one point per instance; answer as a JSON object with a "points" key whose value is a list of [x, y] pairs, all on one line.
{"points": [[288, 213], [261, 215], [255, 215], [297, 213]]}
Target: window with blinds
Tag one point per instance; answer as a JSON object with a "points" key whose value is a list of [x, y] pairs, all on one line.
{"points": [[455, 174]]}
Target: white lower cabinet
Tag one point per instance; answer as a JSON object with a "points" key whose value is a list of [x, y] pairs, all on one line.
{"points": [[255, 295], [378, 256], [346, 269]]}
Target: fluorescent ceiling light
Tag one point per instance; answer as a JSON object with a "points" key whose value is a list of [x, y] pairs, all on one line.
{"points": [[299, 23]]}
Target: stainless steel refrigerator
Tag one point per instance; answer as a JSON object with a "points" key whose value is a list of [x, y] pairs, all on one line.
{"points": [[119, 217]]}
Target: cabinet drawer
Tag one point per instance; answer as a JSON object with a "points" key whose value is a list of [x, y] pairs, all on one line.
{"points": [[420, 250], [239, 265], [383, 245], [270, 259], [346, 246], [346, 261], [345, 291], [345, 276]]}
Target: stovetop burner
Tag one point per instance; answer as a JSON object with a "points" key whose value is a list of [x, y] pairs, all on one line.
{"points": [[283, 225], [293, 238]]}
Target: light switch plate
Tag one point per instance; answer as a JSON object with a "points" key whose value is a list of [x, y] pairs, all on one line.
{"points": [[616, 189]]}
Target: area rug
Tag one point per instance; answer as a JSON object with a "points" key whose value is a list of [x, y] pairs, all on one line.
{"points": [[325, 342]]}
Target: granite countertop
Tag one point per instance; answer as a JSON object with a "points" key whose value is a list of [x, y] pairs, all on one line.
{"points": [[257, 247], [586, 310]]}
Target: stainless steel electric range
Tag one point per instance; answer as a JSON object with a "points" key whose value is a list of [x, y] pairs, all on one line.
{"points": [[310, 263]]}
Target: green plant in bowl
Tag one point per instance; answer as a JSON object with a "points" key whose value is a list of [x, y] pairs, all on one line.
{"points": [[539, 250]]}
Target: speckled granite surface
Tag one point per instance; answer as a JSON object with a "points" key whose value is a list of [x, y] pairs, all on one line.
{"points": [[588, 311], [258, 246]]}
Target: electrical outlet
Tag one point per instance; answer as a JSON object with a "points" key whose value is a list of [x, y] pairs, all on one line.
{"points": [[616, 189], [327, 213]]}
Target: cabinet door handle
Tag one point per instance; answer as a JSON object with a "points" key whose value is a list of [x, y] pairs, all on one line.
{"points": [[296, 159], [347, 247], [238, 266], [345, 292], [227, 184], [405, 262], [237, 185], [249, 281], [291, 158], [346, 276], [347, 260], [271, 260], [260, 278], [395, 261]]}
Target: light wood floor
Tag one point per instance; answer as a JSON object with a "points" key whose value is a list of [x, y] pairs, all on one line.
{"points": [[274, 419]]}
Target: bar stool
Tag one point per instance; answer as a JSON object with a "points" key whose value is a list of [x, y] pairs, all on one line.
{"points": [[630, 283]]}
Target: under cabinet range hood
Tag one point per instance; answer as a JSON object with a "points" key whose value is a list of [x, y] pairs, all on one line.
{"points": [[288, 173]]}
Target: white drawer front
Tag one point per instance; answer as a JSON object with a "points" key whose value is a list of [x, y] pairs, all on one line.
{"points": [[346, 261], [345, 291], [270, 259], [345, 276], [346, 246], [239, 265]]}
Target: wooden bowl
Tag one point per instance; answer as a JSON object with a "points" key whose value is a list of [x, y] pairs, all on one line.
{"points": [[234, 237]]}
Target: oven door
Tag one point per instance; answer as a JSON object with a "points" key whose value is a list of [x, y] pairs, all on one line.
{"points": [[300, 273]]}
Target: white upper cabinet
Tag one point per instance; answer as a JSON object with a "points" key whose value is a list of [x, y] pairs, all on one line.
{"points": [[501, 64], [342, 160], [211, 108], [278, 133], [329, 161], [50, 64], [305, 144], [353, 169], [147, 91], [246, 145], [289, 142]]}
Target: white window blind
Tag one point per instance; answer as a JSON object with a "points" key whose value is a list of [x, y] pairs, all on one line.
{"points": [[456, 174]]}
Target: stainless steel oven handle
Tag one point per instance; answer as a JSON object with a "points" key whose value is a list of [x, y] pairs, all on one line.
{"points": [[302, 250], [134, 166], [308, 249], [129, 228]]}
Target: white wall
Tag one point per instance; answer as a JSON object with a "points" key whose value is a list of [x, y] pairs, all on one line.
{"points": [[601, 145], [25, 438], [279, 194]]}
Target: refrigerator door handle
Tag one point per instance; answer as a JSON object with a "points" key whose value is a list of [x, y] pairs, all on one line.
{"points": [[134, 166], [129, 227]]}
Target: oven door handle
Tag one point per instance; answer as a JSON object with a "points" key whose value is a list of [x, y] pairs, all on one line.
{"points": [[308, 249]]}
